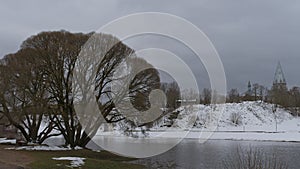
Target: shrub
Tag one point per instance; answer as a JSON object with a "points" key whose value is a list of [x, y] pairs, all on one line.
{"points": [[253, 159], [236, 118]]}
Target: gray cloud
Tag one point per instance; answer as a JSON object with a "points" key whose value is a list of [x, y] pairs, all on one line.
{"points": [[251, 36]]}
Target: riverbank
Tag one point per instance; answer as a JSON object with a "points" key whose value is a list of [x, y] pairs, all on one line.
{"points": [[18, 159], [293, 136]]}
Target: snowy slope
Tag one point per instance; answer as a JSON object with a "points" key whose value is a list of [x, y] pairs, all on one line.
{"points": [[256, 122], [252, 116]]}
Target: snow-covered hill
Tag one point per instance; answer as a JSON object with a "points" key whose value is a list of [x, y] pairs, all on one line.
{"points": [[245, 116], [230, 121]]}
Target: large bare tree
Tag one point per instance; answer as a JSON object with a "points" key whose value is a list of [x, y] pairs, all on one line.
{"points": [[60, 52], [122, 84], [24, 97]]}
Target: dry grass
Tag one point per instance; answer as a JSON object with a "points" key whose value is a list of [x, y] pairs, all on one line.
{"points": [[253, 159]]}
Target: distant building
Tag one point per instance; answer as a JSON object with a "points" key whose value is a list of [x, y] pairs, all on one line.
{"points": [[254, 92], [248, 95], [187, 102], [249, 91], [279, 93], [279, 82]]}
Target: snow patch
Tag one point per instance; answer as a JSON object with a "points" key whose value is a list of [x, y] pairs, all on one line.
{"points": [[7, 141], [75, 161], [43, 148]]}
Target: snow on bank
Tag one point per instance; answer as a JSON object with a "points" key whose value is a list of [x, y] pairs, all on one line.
{"points": [[43, 148], [215, 135], [75, 161], [248, 136], [7, 141], [256, 136]]}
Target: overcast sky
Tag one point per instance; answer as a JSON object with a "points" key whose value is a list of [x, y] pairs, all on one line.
{"points": [[251, 36]]}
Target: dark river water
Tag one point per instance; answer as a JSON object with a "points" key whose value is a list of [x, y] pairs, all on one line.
{"points": [[190, 154]]}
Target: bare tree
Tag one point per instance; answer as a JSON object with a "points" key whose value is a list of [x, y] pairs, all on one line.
{"points": [[24, 97], [294, 99], [59, 50], [127, 96], [38, 82], [258, 91], [279, 96], [62, 52], [173, 95], [206, 96], [233, 96], [190, 95]]}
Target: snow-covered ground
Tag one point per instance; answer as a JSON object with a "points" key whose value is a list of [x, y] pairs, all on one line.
{"points": [[75, 161], [252, 116], [7, 141], [43, 148], [235, 121]]}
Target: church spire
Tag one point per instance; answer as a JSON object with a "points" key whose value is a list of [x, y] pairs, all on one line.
{"points": [[279, 76], [279, 80], [249, 92]]}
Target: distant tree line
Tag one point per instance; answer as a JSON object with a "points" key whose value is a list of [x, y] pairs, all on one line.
{"points": [[289, 99], [173, 94]]}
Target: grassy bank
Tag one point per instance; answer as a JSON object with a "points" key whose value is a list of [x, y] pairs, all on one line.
{"points": [[94, 160]]}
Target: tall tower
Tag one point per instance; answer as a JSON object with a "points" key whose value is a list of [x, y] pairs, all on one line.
{"points": [[249, 91], [279, 80]]}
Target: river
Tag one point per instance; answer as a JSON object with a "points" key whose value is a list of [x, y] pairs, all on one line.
{"points": [[190, 154]]}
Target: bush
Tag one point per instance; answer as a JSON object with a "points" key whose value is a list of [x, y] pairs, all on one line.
{"points": [[236, 118], [253, 159]]}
